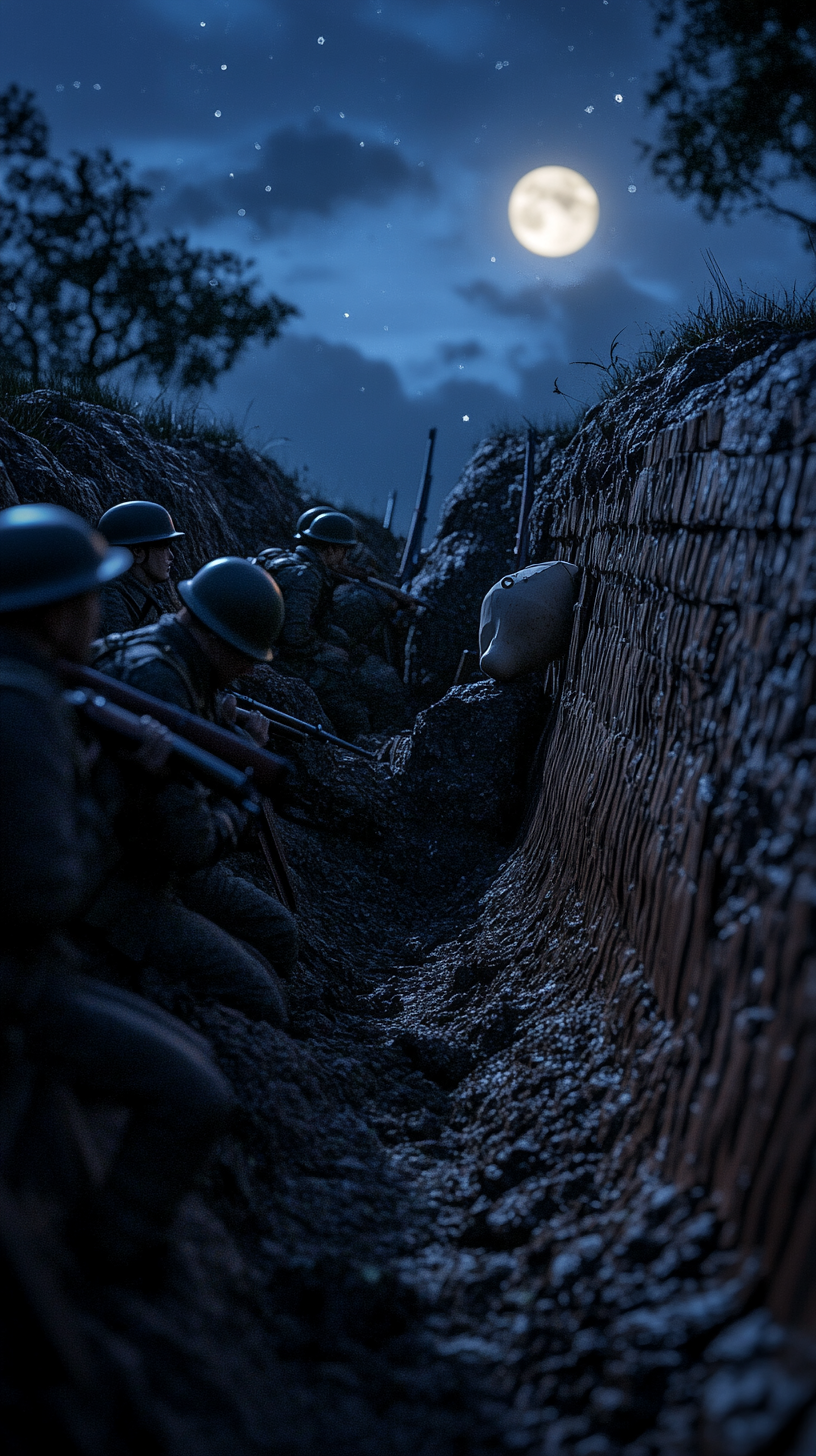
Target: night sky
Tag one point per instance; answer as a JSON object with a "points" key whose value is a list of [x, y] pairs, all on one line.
{"points": [[363, 153]]}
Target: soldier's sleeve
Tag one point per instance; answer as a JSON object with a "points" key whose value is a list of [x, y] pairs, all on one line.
{"points": [[301, 590], [182, 826], [44, 856], [338, 636]]}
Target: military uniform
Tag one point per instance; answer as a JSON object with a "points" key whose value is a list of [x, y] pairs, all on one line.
{"points": [[56, 841], [308, 644], [172, 904], [127, 604], [362, 612]]}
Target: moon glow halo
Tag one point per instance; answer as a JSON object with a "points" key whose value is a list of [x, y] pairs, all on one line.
{"points": [[553, 211]]}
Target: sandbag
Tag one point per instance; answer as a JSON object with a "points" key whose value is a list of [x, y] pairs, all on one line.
{"points": [[526, 620]]}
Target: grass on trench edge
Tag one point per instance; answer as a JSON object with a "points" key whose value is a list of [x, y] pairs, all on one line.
{"points": [[162, 419], [743, 314]]}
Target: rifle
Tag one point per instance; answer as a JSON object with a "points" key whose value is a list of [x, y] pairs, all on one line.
{"points": [[520, 549], [267, 769], [295, 727], [401, 597], [410, 556], [275, 856], [211, 770]]}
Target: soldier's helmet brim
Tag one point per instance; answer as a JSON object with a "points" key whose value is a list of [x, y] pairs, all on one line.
{"points": [[332, 528], [48, 555], [305, 520]]}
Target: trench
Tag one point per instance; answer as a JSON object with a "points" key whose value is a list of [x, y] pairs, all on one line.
{"points": [[532, 1168], [416, 1236]]}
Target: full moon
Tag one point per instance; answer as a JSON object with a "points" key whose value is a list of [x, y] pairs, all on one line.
{"points": [[553, 211]]}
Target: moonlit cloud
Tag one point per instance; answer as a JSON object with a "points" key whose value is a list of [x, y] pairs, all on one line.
{"points": [[397, 253]]}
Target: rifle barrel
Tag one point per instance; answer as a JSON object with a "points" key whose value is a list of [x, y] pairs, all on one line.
{"points": [[403, 598], [521, 547], [410, 556], [297, 725], [268, 769]]}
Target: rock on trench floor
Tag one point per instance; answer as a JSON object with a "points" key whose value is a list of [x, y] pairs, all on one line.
{"points": [[418, 1236]]}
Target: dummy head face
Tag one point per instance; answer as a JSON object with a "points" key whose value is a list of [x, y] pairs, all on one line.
{"points": [[526, 620]]}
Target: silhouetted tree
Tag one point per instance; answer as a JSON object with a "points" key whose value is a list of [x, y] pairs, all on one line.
{"points": [[81, 288], [738, 98]]}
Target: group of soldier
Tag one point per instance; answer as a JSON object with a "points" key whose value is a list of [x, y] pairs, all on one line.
{"points": [[113, 860], [341, 632]]}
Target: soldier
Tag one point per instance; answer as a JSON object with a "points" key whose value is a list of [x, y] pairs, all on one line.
{"points": [[359, 559], [367, 616], [311, 646], [147, 530], [56, 841], [159, 908]]}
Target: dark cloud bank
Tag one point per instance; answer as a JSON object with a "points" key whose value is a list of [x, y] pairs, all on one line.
{"points": [[351, 421], [311, 169]]}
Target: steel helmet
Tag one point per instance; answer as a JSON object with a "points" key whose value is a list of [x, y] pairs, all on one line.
{"points": [[332, 528], [239, 602], [48, 554], [306, 519], [138, 523]]}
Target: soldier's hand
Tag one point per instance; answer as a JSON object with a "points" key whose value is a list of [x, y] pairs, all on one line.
{"points": [[231, 821], [253, 723], [228, 708], [155, 748], [257, 726]]}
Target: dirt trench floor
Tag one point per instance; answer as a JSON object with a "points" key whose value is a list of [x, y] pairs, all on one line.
{"points": [[417, 1236]]}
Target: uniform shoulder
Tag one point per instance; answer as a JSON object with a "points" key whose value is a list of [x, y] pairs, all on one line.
{"points": [[299, 578], [35, 721], [120, 607], [149, 659], [280, 561]]}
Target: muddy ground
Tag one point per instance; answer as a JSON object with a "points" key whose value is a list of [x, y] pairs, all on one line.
{"points": [[416, 1236]]}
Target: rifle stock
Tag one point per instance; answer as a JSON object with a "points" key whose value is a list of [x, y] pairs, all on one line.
{"points": [[267, 770], [124, 724]]}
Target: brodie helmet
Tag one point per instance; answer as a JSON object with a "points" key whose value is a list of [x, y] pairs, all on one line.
{"points": [[239, 602], [48, 554], [306, 519], [138, 523], [332, 528]]}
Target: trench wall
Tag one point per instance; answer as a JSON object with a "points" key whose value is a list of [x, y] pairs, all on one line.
{"points": [[228, 499], [678, 790]]}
